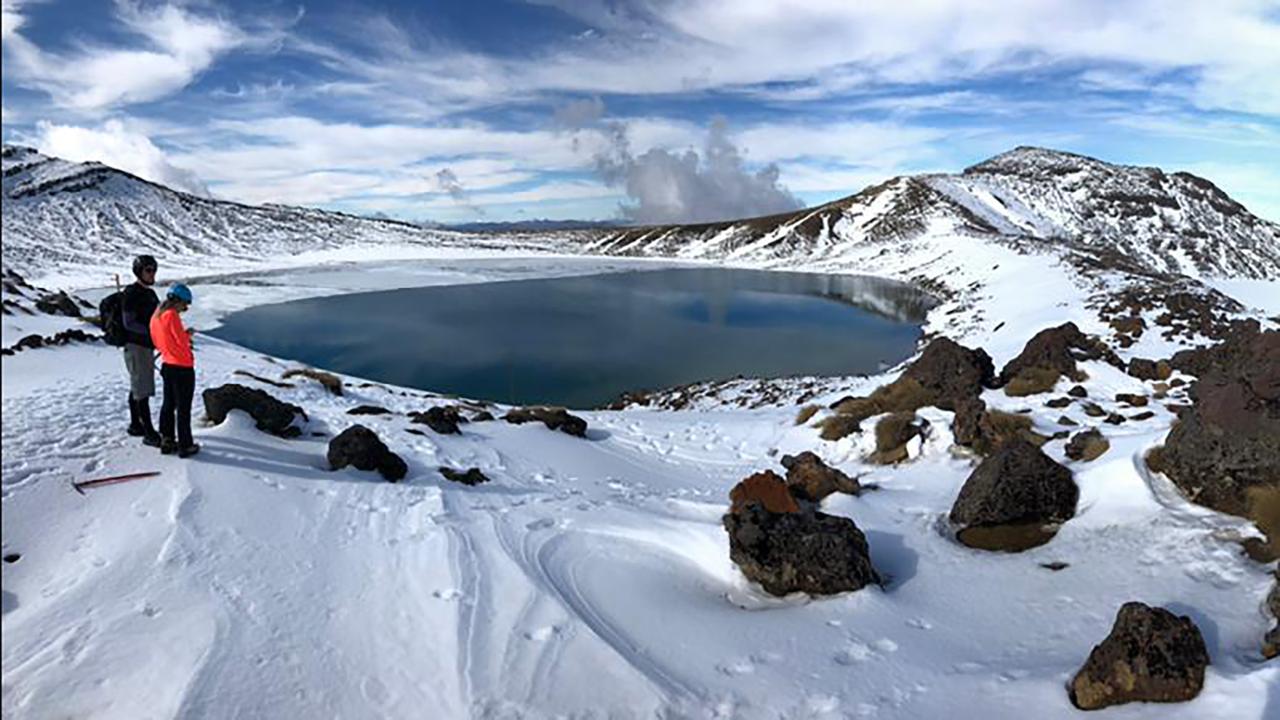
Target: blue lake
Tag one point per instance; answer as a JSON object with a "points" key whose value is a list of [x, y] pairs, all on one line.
{"points": [[582, 341]]}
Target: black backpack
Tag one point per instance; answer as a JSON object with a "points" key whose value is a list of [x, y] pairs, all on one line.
{"points": [[111, 311]]}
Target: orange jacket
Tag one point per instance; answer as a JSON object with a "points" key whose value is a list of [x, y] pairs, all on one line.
{"points": [[171, 339]]}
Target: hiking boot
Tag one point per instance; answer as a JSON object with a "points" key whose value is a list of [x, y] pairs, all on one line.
{"points": [[168, 447], [136, 428], [189, 450], [136, 431], [151, 439]]}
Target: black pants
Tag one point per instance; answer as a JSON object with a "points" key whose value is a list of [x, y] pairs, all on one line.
{"points": [[179, 388]]}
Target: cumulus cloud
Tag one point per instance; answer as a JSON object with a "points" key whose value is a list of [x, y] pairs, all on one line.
{"points": [[168, 46], [115, 145], [679, 187]]}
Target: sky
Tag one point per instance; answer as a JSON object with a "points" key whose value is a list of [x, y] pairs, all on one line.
{"points": [[646, 111]]}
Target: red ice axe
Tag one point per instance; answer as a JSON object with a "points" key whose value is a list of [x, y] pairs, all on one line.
{"points": [[98, 482]]}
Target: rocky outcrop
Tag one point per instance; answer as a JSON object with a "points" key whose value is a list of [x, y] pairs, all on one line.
{"points": [[34, 342], [471, 477], [555, 418], [269, 414], [1151, 655], [443, 419], [808, 478], [59, 303], [946, 373], [1049, 355], [1087, 445], [787, 549], [328, 380], [1014, 499], [361, 448], [1224, 450], [1271, 643], [1145, 369]]}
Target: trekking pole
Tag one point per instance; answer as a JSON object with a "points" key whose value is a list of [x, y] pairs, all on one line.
{"points": [[98, 482]]}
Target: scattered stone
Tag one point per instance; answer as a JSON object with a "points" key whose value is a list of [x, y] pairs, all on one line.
{"points": [[1060, 402], [806, 414], [1151, 655], [361, 448], [1131, 325], [1223, 451], [1177, 382], [1064, 420], [1087, 445], [1093, 409], [1115, 418], [331, 382], [555, 418], [1160, 390], [1144, 369], [482, 416], [1132, 399], [443, 419], [269, 414], [471, 477], [368, 410], [765, 489], [59, 303], [1055, 566], [1015, 499], [1078, 391], [12, 558], [808, 478], [794, 550], [1144, 415], [893, 432], [415, 431], [1060, 435], [1055, 351]]}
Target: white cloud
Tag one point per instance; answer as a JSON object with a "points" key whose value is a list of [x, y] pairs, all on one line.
{"points": [[171, 46], [115, 145]]}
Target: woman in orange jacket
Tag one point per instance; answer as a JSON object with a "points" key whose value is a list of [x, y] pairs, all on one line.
{"points": [[178, 370]]}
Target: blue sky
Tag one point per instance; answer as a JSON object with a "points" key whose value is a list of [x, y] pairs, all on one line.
{"points": [[657, 110]]}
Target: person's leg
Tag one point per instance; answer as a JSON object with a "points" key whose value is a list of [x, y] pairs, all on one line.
{"points": [[169, 408], [185, 380], [143, 386], [135, 422]]}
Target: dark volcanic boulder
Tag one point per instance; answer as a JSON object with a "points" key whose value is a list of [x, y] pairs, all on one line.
{"points": [[809, 552], [1052, 353], [443, 419], [1151, 655], [1234, 348], [471, 477], [555, 418], [1087, 445], [361, 448], [368, 410], [59, 303], [949, 371], [1224, 450], [269, 414], [811, 479], [1015, 496], [1145, 369]]}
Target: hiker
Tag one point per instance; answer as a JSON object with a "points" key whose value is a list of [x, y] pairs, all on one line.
{"points": [[178, 370], [137, 303]]}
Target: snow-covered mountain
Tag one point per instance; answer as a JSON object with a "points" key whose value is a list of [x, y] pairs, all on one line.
{"points": [[1144, 217], [60, 215]]}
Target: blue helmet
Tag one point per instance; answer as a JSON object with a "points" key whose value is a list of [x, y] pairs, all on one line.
{"points": [[181, 292]]}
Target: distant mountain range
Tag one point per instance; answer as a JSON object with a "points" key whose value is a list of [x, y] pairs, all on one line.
{"points": [[58, 213]]}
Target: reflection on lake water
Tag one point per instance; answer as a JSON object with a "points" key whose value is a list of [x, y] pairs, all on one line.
{"points": [[582, 341]]}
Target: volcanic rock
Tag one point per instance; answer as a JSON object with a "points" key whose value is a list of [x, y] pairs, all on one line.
{"points": [[765, 489], [471, 477], [1078, 391], [1132, 399], [985, 430], [1151, 655], [1087, 445], [1145, 369], [361, 448], [1059, 402], [269, 414], [1055, 351], [555, 418], [368, 410], [1013, 497], [808, 478], [1271, 643], [809, 552], [443, 419]]}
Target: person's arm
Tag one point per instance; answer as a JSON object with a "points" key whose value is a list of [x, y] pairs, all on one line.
{"points": [[130, 318]]}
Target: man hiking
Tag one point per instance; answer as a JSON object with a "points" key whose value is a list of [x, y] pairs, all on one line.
{"points": [[137, 303]]}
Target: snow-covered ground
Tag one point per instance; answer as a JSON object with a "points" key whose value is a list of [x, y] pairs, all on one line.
{"points": [[591, 578]]}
